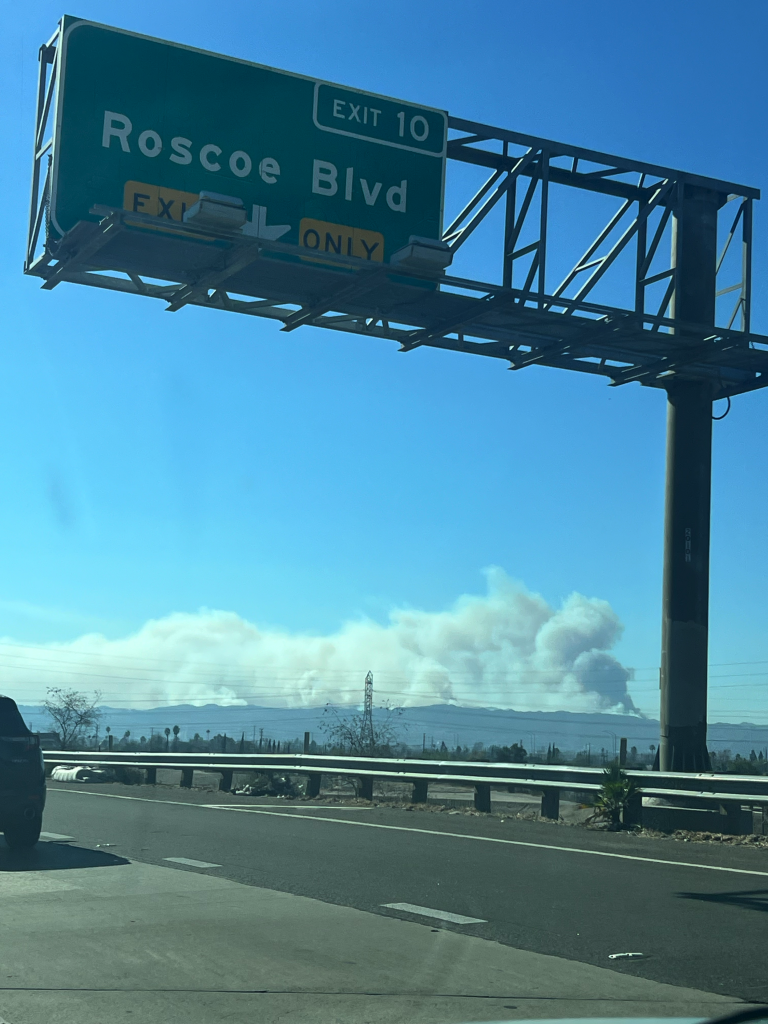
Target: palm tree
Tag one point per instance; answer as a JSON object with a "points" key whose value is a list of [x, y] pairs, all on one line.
{"points": [[176, 731], [167, 737], [616, 793]]}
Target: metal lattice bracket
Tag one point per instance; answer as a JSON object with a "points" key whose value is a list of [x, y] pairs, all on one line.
{"points": [[43, 150]]}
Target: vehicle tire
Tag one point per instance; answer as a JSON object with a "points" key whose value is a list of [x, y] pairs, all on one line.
{"points": [[23, 833]]}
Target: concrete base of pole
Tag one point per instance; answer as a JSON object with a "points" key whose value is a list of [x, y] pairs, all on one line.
{"points": [[684, 749]]}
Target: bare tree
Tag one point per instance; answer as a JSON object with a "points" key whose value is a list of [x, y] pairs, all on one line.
{"points": [[349, 732], [71, 713]]}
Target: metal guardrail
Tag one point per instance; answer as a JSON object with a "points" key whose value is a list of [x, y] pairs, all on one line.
{"points": [[731, 791]]}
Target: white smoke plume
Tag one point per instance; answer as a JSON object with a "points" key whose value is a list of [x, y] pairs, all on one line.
{"points": [[506, 649]]}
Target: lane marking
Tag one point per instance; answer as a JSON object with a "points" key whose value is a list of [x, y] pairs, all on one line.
{"points": [[506, 842], [55, 837], [441, 915], [317, 807], [428, 832], [190, 803], [191, 863]]}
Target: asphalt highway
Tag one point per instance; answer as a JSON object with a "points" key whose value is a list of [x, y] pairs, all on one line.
{"points": [[696, 913]]}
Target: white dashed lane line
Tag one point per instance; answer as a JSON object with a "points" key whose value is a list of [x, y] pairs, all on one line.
{"points": [[55, 837], [441, 915], [191, 863]]}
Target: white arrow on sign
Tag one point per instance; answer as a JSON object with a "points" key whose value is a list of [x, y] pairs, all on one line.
{"points": [[257, 226]]}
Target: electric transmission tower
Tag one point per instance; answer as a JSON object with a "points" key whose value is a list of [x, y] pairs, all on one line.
{"points": [[367, 735]]}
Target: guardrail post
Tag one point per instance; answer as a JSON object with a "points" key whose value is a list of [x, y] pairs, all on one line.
{"points": [[186, 778], [550, 803], [633, 811], [151, 776], [731, 811], [225, 782], [420, 791], [313, 784], [483, 797], [366, 787]]}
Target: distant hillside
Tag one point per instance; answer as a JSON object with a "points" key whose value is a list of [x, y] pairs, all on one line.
{"points": [[436, 724]]}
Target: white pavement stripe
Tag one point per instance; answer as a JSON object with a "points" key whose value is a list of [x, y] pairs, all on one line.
{"points": [[428, 832], [293, 810], [58, 838], [506, 842], [441, 915], [191, 863]]}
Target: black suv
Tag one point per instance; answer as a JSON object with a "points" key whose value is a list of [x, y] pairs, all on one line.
{"points": [[22, 779]]}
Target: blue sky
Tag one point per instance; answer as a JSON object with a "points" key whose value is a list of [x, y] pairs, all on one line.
{"points": [[153, 463]]}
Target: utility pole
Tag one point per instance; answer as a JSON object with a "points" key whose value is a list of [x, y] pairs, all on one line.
{"points": [[685, 600], [367, 735], [261, 739]]}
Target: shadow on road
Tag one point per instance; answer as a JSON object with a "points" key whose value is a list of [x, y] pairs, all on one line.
{"points": [[748, 899], [55, 857]]}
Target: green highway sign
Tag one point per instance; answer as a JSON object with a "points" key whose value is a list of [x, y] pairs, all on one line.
{"points": [[147, 125]]}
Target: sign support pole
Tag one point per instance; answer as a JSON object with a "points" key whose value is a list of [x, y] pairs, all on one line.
{"points": [[685, 602]]}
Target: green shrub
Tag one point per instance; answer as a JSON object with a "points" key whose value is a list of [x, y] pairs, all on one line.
{"points": [[617, 791]]}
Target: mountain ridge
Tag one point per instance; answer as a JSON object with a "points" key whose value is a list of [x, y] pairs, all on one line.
{"points": [[428, 725]]}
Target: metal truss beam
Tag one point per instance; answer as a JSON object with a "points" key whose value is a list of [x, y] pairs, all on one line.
{"points": [[613, 165], [453, 313]]}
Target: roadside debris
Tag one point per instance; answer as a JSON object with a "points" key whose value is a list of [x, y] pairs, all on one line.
{"points": [[266, 785], [81, 773]]}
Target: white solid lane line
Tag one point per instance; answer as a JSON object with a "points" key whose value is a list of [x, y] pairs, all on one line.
{"points": [[506, 842], [441, 915], [428, 832], [191, 863], [307, 807], [57, 838]]}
